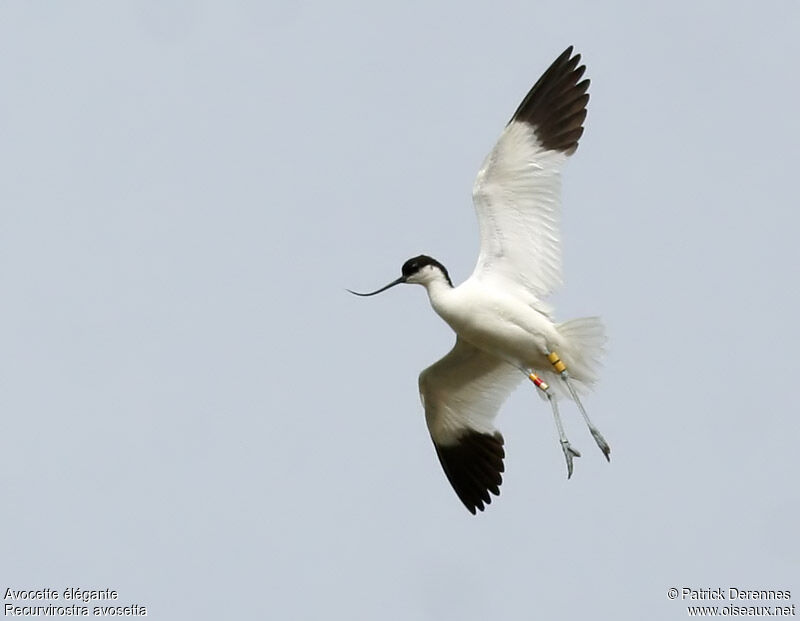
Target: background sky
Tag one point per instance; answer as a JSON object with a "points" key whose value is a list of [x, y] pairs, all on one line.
{"points": [[196, 414]]}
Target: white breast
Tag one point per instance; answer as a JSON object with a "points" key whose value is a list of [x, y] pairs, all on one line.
{"points": [[496, 322]]}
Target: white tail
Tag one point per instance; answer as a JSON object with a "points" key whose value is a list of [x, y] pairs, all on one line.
{"points": [[582, 351]]}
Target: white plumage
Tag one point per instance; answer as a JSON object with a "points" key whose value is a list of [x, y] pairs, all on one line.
{"points": [[517, 196], [464, 391], [504, 329]]}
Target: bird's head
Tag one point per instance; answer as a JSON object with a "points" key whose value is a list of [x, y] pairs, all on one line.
{"points": [[421, 270]]}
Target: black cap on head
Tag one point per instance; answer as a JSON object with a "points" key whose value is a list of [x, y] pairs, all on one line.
{"points": [[412, 266]]}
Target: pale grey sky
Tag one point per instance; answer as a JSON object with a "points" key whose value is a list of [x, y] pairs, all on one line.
{"points": [[196, 414]]}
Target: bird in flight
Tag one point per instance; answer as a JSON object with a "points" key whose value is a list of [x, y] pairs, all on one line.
{"points": [[504, 330]]}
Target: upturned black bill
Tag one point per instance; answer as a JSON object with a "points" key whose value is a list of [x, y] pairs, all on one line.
{"points": [[399, 281]]}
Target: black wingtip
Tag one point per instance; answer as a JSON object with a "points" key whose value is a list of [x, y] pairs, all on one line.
{"points": [[556, 105], [474, 466]]}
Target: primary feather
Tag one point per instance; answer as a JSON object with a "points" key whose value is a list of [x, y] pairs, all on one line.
{"points": [[462, 394], [517, 192]]}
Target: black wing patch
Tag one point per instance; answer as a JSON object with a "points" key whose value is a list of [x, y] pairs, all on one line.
{"points": [[556, 105], [473, 466]]}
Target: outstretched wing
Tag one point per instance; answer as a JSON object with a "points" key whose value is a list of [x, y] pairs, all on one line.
{"points": [[517, 192], [461, 394]]}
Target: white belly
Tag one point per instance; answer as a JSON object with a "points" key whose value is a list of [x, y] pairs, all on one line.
{"points": [[499, 324]]}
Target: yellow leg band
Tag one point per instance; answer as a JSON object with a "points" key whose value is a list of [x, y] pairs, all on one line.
{"points": [[559, 366]]}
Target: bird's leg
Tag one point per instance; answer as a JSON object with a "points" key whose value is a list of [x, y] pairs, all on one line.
{"points": [[561, 369], [569, 452]]}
